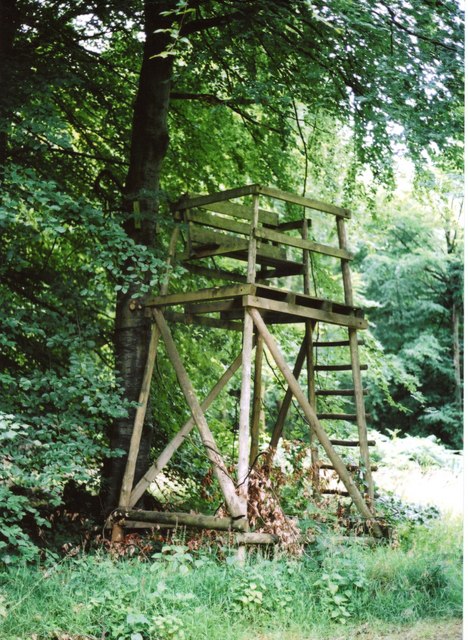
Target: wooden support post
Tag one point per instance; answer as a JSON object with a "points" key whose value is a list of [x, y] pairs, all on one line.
{"points": [[129, 474], [236, 507], [356, 369], [309, 329], [167, 453], [244, 408], [257, 402], [283, 412], [311, 416]]}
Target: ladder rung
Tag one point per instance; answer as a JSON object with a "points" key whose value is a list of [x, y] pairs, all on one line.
{"points": [[351, 443], [334, 492], [339, 416], [350, 467], [338, 392], [338, 367], [336, 343]]}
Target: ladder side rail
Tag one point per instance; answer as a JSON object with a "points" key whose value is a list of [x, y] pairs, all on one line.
{"points": [[356, 368]]}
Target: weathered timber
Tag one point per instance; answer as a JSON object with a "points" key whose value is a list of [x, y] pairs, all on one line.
{"points": [[191, 520], [335, 492], [356, 368], [189, 202], [304, 201], [241, 211], [244, 403], [304, 312], [283, 412], [335, 343], [310, 361], [294, 224], [337, 392], [337, 416], [339, 367], [350, 443], [311, 416], [204, 321], [213, 293], [300, 243], [254, 537], [135, 440], [129, 474], [214, 274], [212, 307], [235, 249], [235, 506], [292, 269], [211, 240], [218, 222], [169, 450], [257, 403], [350, 467]]}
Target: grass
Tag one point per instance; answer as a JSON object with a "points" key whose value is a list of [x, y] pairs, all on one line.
{"points": [[192, 596]]}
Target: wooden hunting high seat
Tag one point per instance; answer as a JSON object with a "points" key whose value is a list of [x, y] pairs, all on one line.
{"points": [[228, 237]]}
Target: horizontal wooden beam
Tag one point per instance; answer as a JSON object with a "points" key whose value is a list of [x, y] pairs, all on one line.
{"points": [[305, 312], [300, 243], [214, 274], [338, 367], [243, 212], [197, 521], [212, 293], [335, 343], [310, 203], [338, 392], [350, 467], [188, 202], [203, 321], [293, 224], [351, 443], [208, 219], [339, 416]]}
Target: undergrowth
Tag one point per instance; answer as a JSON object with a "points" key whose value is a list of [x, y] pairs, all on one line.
{"points": [[181, 594]]}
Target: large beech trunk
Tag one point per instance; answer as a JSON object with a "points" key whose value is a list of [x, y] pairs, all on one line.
{"points": [[8, 29], [149, 144]]}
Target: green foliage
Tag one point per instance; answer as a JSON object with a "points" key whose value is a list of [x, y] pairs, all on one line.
{"points": [[94, 595], [337, 591], [411, 277]]}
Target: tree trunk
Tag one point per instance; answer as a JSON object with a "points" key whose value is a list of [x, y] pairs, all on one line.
{"points": [[456, 354], [149, 144], [9, 22]]}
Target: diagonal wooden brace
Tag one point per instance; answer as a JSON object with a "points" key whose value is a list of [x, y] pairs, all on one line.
{"points": [[129, 473], [168, 451], [236, 507], [311, 416]]}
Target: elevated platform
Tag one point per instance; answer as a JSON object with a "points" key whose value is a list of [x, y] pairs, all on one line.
{"points": [[277, 306]]}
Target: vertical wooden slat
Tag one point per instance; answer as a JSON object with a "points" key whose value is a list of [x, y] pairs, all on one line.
{"points": [[309, 328], [244, 406], [356, 369], [283, 412], [129, 473], [311, 416], [235, 506]]}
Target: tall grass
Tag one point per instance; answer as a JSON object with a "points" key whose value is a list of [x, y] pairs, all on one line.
{"points": [[193, 596]]}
